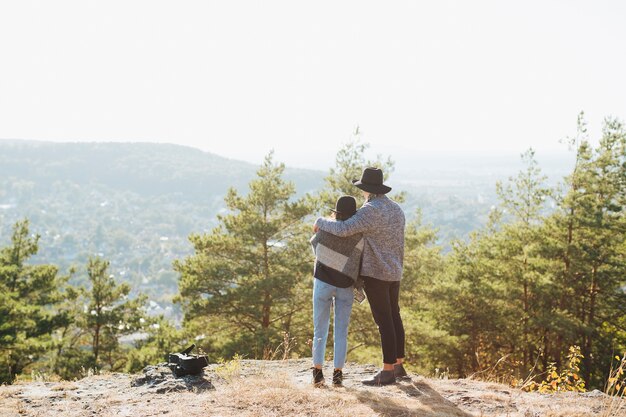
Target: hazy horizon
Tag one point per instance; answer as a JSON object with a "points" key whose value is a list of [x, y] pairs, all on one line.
{"points": [[324, 159], [411, 164], [239, 79]]}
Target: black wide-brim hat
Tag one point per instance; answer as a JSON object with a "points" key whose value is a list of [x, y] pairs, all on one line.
{"points": [[345, 205], [372, 181]]}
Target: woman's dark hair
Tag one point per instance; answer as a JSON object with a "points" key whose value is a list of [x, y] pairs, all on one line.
{"points": [[341, 216]]}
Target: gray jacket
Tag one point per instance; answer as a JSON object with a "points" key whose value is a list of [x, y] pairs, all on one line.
{"points": [[381, 221]]}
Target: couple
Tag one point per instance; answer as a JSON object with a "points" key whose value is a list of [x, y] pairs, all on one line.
{"points": [[366, 245]]}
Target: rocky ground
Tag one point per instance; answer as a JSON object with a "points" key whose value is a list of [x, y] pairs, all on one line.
{"points": [[281, 388]]}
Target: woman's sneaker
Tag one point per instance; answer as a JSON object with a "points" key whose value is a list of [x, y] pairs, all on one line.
{"points": [[318, 377], [337, 377]]}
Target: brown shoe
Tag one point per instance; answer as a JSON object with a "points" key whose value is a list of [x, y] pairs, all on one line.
{"points": [[337, 377], [399, 371], [318, 377], [381, 378]]}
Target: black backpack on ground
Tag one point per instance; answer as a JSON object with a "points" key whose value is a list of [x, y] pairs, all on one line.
{"points": [[185, 364]]}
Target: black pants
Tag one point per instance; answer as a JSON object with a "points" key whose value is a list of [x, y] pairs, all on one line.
{"points": [[383, 300]]}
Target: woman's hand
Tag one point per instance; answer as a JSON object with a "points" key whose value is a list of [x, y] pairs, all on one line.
{"points": [[315, 228]]}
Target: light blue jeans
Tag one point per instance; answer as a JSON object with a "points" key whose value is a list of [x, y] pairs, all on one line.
{"points": [[324, 297]]}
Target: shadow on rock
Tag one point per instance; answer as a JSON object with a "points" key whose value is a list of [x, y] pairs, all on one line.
{"points": [[429, 396], [423, 401], [161, 379]]}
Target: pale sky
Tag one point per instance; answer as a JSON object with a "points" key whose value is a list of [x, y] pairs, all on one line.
{"points": [[238, 78]]}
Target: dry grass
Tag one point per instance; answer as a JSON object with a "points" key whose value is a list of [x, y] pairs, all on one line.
{"points": [[65, 386], [8, 391], [567, 412], [277, 395], [9, 404], [256, 397], [615, 405]]}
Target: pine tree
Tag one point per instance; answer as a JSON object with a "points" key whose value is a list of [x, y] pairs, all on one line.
{"points": [[109, 314], [587, 245], [96, 317], [498, 304], [475, 309], [69, 357], [423, 293], [248, 282], [520, 266], [28, 294]]}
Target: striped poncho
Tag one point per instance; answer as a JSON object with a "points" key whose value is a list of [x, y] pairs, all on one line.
{"points": [[343, 254]]}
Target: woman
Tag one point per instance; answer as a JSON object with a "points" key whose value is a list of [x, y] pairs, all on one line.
{"points": [[337, 263], [381, 221]]}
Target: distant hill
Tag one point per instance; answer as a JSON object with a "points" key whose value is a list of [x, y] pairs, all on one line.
{"points": [[132, 203], [148, 169]]}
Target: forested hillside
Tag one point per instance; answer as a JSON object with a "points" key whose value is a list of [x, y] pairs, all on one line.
{"points": [[131, 203], [136, 203]]}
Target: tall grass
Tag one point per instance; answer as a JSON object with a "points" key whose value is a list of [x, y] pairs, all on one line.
{"points": [[615, 388]]}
